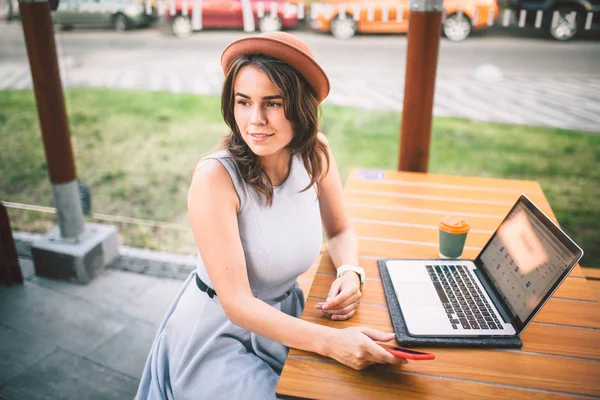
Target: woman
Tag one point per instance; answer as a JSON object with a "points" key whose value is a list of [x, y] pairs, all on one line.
{"points": [[256, 209]]}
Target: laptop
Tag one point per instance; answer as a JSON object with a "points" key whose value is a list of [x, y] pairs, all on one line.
{"points": [[499, 292]]}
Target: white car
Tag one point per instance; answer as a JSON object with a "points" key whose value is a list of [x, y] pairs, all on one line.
{"points": [[118, 14]]}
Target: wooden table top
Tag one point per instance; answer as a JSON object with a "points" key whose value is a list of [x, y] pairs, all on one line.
{"points": [[395, 214]]}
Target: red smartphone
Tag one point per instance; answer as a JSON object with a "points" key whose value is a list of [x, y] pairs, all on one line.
{"points": [[409, 354]]}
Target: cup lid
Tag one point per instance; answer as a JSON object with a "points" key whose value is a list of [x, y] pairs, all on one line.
{"points": [[452, 224]]}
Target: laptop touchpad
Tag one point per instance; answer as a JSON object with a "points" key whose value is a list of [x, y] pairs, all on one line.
{"points": [[417, 294], [409, 273]]}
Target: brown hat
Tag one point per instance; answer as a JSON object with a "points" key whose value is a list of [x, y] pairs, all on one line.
{"points": [[285, 47]]}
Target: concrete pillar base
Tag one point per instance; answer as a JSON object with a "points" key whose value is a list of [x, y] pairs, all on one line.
{"points": [[77, 259]]}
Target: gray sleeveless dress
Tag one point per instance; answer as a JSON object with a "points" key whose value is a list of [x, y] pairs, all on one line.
{"points": [[198, 353]]}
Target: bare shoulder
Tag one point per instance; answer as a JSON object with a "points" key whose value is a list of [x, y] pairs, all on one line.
{"points": [[209, 171], [322, 138], [328, 156], [211, 178]]}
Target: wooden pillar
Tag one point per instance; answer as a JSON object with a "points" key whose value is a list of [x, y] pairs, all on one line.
{"points": [[425, 21], [41, 52], [10, 271]]}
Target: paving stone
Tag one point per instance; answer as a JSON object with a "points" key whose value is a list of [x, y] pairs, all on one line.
{"points": [[63, 375], [10, 297], [127, 351], [77, 326], [112, 288], [152, 305], [18, 351]]}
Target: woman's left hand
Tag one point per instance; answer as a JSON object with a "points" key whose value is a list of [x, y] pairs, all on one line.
{"points": [[343, 298]]}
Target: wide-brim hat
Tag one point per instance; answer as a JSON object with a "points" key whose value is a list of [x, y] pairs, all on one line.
{"points": [[285, 47]]}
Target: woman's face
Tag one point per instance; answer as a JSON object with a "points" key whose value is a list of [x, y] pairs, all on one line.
{"points": [[259, 113]]}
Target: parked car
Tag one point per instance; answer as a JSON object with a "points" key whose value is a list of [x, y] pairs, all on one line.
{"points": [[462, 17], [118, 14], [565, 27], [227, 14]]}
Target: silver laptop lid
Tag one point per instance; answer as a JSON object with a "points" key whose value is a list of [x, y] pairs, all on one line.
{"points": [[526, 259]]}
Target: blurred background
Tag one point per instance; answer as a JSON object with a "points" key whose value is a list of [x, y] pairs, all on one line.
{"points": [[517, 96]]}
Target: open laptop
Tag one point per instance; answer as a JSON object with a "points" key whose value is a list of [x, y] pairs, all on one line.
{"points": [[499, 292]]}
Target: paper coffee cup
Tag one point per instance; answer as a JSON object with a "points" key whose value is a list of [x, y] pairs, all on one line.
{"points": [[453, 234]]}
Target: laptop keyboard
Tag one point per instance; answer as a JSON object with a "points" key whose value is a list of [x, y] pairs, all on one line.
{"points": [[463, 300]]}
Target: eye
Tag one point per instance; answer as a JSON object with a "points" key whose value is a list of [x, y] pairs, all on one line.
{"points": [[273, 104], [243, 102]]}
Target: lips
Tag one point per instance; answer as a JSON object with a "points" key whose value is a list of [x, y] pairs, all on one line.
{"points": [[259, 136]]}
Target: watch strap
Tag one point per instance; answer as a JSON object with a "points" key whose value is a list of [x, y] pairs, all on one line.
{"points": [[356, 269]]}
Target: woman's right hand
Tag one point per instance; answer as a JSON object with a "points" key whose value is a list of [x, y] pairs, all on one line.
{"points": [[355, 348]]}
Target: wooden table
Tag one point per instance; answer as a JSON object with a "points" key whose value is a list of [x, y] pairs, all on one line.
{"points": [[395, 215]]}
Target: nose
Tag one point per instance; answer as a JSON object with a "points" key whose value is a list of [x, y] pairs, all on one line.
{"points": [[258, 117]]}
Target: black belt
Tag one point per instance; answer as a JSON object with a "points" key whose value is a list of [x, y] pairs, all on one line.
{"points": [[205, 288], [211, 292]]}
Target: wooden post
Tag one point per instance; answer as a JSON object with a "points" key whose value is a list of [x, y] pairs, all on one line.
{"points": [[41, 51], [10, 271], [425, 21]]}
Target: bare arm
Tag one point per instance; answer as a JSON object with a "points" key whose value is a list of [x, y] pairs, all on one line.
{"points": [[214, 225], [212, 206], [344, 294], [341, 237]]}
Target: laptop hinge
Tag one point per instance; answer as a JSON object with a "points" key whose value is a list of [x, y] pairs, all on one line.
{"points": [[494, 296]]}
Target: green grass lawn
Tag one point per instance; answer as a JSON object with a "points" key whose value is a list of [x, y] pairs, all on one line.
{"points": [[135, 151]]}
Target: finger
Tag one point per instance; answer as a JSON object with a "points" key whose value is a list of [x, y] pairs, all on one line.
{"points": [[383, 356], [353, 299], [367, 365], [344, 297], [377, 335], [396, 360], [342, 311], [335, 288], [340, 297], [343, 317]]}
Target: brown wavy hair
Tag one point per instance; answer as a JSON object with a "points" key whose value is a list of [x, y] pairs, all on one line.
{"points": [[301, 108]]}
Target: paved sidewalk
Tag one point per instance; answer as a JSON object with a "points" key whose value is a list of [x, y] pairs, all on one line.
{"points": [[567, 103], [63, 340]]}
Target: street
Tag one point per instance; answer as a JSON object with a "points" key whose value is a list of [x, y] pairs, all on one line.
{"points": [[496, 75]]}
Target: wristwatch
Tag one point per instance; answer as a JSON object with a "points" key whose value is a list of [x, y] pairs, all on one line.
{"points": [[353, 268]]}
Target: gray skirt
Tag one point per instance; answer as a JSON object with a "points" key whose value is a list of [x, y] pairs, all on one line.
{"points": [[199, 354]]}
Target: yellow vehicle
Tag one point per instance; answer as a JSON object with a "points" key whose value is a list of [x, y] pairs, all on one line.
{"points": [[391, 16]]}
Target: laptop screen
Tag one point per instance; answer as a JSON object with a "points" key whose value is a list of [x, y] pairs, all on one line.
{"points": [[526, 259]]}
